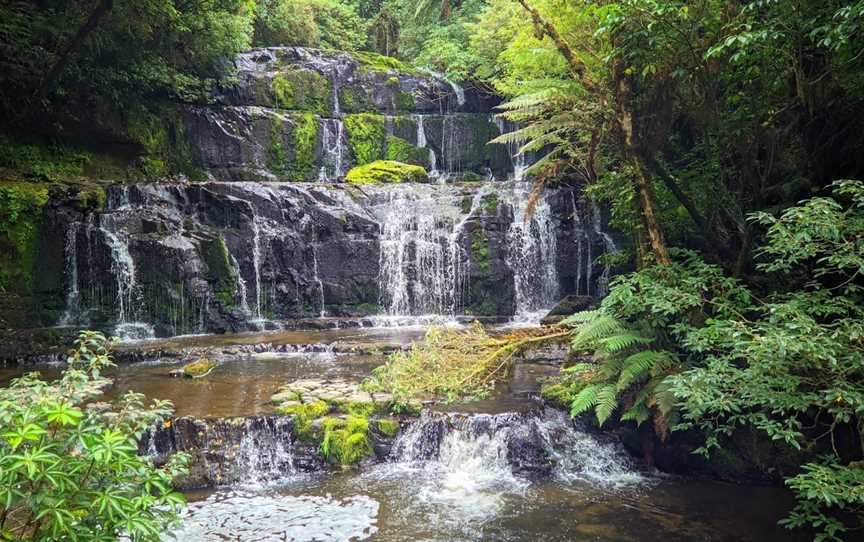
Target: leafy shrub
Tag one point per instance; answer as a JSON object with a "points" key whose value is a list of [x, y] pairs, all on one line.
{"points": [[69, 466]]}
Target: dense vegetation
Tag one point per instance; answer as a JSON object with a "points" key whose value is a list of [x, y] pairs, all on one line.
{"points": [[69, 465], [720, 134]]}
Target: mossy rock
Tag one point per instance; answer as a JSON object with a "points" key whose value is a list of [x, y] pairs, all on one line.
{"points": [[366, 136], [221, 273], [197, 369], [387, 172], [90, 199], [400, 150], [303, 90], [374, 62]]}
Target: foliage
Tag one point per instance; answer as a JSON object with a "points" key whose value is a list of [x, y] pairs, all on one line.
{"points": [[789, 364], [387, 171], [20, 217], [328, 24], [69, 467], [453, 364]]}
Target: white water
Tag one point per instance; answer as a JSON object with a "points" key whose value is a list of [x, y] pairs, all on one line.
{"points": [[322, 313], [256, 263], [422, 143], [423, 270], [333, 149], [72, 294], [533, 250]]}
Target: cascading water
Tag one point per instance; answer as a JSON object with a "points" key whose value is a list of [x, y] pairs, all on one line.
{"points": [[423, 270], [532, 244], [423, 143], [73, 293], [322, 312], [256, 263], [333, 149]]}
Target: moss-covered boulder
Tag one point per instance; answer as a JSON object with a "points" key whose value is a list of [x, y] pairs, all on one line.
{"points": [[196, 369], [387, 171]]}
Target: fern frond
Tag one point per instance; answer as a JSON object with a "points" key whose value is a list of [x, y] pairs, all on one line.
{"points": [[638, 413], [607, 402], [586, 399], [599, 328], [638, 367], [664, 399], [624, 341], [580, 317]]}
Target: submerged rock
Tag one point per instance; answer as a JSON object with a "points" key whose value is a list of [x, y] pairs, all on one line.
{"points": [[196, 369]]}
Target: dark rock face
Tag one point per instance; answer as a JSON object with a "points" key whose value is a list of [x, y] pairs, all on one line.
{"points": [[224, 451], [302, 114], [170, 259]]}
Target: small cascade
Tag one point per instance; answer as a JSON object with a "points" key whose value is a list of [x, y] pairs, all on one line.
{"points": [[240, 295], [423, 269], [609, 247], [459, 92], [477, 458], [73, 294], [533, 252], [252, 450], [423, 143], [333, 149], [265, 452], [322, 313], [256, 263]]}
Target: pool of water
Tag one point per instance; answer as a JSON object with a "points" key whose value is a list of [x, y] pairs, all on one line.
{"points": [[428, 502]]}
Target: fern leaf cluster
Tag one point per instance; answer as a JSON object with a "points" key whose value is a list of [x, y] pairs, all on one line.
{"points": [[627, 374]]}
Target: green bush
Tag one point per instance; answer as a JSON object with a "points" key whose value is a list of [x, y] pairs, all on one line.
{"points": [[69, 466], [387, 172]]}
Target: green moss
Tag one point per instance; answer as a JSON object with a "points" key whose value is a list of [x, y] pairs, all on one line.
{"points": [[283, 91], [304, 416], [305, 139], [466, 204], [384, 171], [404, 101], [366, 136], [355, 100], [373, 62], [345, 441], [388, 427], [42, 162], [220, 272], [480, 249], [400, 150], [89, 199], [20, 218], [198, 368], [303, 90], [490, 204]]}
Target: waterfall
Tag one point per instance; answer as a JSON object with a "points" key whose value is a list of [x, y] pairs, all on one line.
{"points": [[256, 263], [72, 294], [333, 150], [459, 92], [322, 312], [533, 251], [609, 247], [475, 457], [423, 143], [423, 269], [240, 294]]}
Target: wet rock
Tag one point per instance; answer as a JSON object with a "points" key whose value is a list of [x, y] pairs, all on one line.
{"points": [[196, 369], [571, 304]]}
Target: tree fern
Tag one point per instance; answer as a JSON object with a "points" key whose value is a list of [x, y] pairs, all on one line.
{"points": [[599, 328]]}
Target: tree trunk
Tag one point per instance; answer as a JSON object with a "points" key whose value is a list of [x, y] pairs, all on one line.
{"points": [[102, 9], [633, 153]]}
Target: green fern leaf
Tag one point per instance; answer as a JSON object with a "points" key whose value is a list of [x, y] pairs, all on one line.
{"points": [[607, 401], [586, 399], [638, 366], [624, 341]]}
